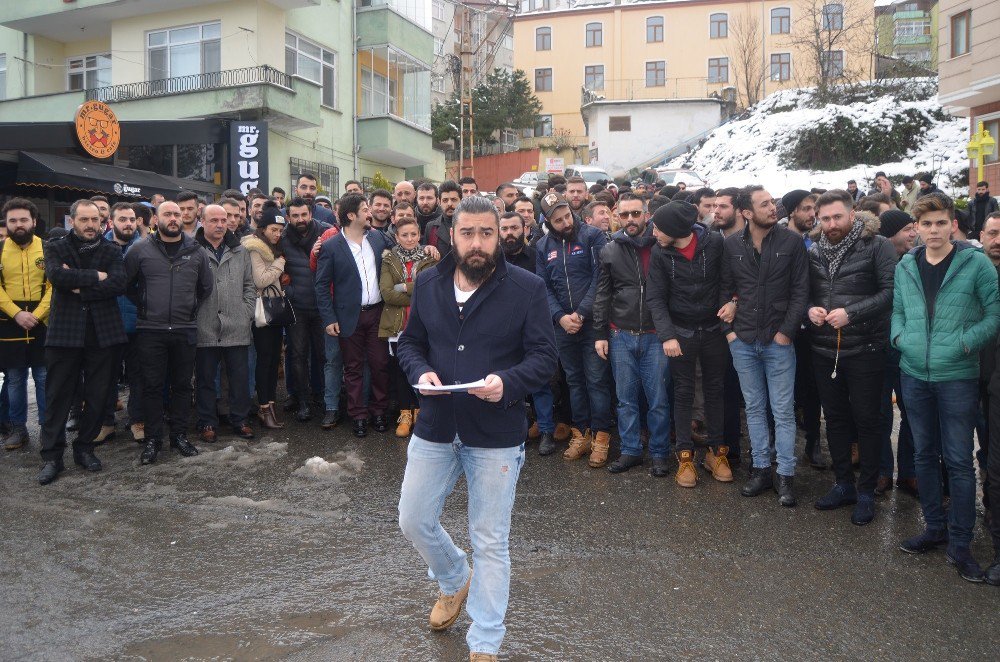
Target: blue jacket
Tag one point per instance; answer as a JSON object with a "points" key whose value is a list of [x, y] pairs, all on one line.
{"points": [[127, 308], [336, 266], [571, 270], [503, 329]]}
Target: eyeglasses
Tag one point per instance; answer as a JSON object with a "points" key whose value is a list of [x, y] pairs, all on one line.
{"points": [[636, 213]]}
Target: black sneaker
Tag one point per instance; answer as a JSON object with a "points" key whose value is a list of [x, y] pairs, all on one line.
{"points": [[924, 542], [993, 572], [864, 512], [840, 495], [966, 564]]}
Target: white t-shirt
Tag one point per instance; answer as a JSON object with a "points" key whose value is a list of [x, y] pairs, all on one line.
{"points": [[461, 297]]}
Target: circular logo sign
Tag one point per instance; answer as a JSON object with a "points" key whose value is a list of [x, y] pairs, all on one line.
{"points": [[118, 188], [97, 129]]}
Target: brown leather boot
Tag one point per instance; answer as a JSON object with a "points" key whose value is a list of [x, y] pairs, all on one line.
{"points": [[107, 433], [562, 432], [533, 431], [579, 445], [139, 431], [405, 423], [718, 465], [268, 417], [448, 607], [599, 452], [687, 475]]}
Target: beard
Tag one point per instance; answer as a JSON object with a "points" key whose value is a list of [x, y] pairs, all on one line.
{"points": [[21, 236], [634, 228], [125, 235], [766, 222], [512, 245], [478, 271], [569, 234], [724, 223], [168, 231], [803, 226]]}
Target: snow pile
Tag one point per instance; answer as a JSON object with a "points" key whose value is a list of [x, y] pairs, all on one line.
{"points": [[346, 464], [241, 454], [754, 148]]}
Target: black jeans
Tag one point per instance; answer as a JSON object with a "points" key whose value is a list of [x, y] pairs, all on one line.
{"points": [[806, 391], [267, 342], [133, 377], [852, 404], [237, 368], [406, 398], [306, 335], [64, 367], [992, 482], [167, 357], [709, 348], [732, 425]]}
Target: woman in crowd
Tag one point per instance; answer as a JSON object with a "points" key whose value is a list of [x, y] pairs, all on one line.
{"points": [[400, 266]]}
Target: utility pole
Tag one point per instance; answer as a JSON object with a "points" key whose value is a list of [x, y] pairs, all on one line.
{"points": [[466, 132]]}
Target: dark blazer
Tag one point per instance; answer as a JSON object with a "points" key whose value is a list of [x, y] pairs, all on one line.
{"points": [[68, 315], [504, 329], [336, 266]]}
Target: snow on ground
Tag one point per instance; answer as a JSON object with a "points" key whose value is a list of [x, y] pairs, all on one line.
{"points": [[749, 150]]}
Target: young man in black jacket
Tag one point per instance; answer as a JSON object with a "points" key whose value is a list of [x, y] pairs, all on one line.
{"points": [[765, 274], [850, 281]]}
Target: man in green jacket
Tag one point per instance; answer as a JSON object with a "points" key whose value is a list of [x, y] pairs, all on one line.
{"points": [[945, 309]]}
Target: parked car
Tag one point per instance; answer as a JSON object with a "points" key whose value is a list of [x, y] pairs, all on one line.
{"points": [[591, 174], [528, 181], [690, 178]]}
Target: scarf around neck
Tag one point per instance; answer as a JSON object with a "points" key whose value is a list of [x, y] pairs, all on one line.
{"points": [[835, 253], [413, 255]]}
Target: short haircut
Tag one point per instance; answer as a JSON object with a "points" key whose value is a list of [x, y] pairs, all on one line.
{"points": [[468, 180], [830, 197], [80, 203], [232, 202], [502, 187], [983, 183], [668, 191], [235, 194], [98, 198], [143, 214], [701, 194], [606, 196], [449, 186], [730, 192], [403, 222], [184, 196], [402, 204], [118, 206], [380, 193], [475, 204], [20, 203], [964, 221], [625, 197], [907, 179], [510, 215], [852, 181], [596, 188], [880, 173], [350, 204], [682, 194], [931, 203], [744, 200], [524, 198], [556, 180], [871, 204], [297, 201], [995, 214], [427, 186], [576, 180], [353, 181], [277, 189], [656, 202], [305, 175], [588, 211]]}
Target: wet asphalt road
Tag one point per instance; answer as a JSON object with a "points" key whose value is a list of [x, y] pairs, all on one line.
{"points": [[242, 553]]}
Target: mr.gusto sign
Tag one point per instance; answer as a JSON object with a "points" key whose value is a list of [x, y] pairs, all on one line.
{"points": [[247, 155]]}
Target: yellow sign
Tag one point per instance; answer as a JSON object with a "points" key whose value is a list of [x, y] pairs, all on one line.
{"points": [[97, 129]]}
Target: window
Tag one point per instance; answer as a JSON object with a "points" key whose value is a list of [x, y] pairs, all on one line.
{"points": [[3, 76], [718, 70], [328, 176], [593, 77], [543, 39], [437, 9], [312, 62], [833, 64], [184, 51], [913, 29], [394, 83], [654, 29], [437, 84], [620, 123], [438, 46], [543, 80], [781, 20], [86, 73], [993, 126], [507, 42], [960, 28], [595, 34], [833, 16], [781, 66], [718, 26], [543, 126], [535, 5], [656, 73]]}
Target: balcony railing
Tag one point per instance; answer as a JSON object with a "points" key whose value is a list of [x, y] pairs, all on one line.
{"points": [[215, 80], [638, 89]]}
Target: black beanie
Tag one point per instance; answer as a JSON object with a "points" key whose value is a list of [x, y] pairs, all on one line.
{"points": [[926, 179], [272, 216], [791, 200], [676, 218], [892, 221]]}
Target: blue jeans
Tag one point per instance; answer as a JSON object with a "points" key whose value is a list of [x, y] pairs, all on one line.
{"points": [[638, 362], [943, 418], [432, 470], [17, 391], [588, 378], [544, 402], [767, 375], [333, 374], [904, 443]]}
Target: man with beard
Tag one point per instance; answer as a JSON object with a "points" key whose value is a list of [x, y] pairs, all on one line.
{"points": [[927, 186], [725, 219], [437, 232], [622, 314], [991, 485], [472, 318], [800, 206], [404, 192], [351, 262], [256, 212], [469, 186], [508, 193], [704, 200], [428, 209], [980, 207], [25, 296], [850, 281], [83, 335], [380, 202], [306, 189], [187, 201], [577, 196], [103, 207], [168, 277], [852, 188], [306, 335], [568, 260], [765, 271], [515, 250], [278, 195]]}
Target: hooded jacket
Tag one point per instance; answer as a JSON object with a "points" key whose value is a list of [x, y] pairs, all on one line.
{"points": [[167, 291], [621, 298], [571, 270]]}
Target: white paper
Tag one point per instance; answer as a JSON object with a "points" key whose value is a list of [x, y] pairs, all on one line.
{"points": [[451, 388]]}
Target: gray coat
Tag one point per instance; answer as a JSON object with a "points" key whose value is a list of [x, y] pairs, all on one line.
{"points": [[226, 315]]}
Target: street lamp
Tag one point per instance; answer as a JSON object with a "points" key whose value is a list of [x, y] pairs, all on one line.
{"points": [[980, 146]]}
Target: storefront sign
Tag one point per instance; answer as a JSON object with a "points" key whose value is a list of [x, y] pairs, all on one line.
{"points": [[555, 166], [97, 129], [247, 155], [126, 189]]}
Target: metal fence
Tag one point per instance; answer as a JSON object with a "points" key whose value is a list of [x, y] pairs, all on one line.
{"points": [[214, 80]]}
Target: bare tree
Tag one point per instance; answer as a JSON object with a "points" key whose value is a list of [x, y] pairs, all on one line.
{"points": [[743, 48], [837, 40]]}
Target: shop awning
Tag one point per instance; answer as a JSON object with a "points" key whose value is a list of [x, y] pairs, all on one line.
{"points": [[50, 170]]}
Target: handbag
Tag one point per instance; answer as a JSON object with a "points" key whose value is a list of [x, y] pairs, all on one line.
{"points": [[273, 309]]}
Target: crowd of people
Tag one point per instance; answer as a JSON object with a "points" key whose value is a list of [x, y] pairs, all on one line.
{"points": [[671, 309]]}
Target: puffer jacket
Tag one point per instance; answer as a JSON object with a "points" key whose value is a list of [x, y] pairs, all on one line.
{"points": [[684, 294], [396, 303], [862, 287], [621, 299], [129, 314], [966, 316], [570, 270], [266, 268], [225, 317], [297, 248]]}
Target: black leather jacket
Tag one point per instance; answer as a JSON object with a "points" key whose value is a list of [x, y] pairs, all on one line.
{"points": [[621, 288]]}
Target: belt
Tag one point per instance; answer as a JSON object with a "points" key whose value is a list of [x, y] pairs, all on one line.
{"points": [[365, 309]]}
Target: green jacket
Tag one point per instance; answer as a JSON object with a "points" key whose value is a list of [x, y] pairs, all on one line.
{"points": [[966, 316]]}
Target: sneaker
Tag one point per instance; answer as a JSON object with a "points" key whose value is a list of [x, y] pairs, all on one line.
{"points": [[840, 495], [864, 511], [966, 564], [579, 445], [924, 542]]}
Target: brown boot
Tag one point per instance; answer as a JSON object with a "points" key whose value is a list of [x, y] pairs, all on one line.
{"points": [[718, 465], [448, 607], [533, 431], [483, 657], [579, 445], [599, 454], [139, 431], [416, 413], [687, 475], [405, 421], [562, 432], [107, 433], [268, 418]]}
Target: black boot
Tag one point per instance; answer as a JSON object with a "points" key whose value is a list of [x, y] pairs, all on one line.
{"points": [[624, 463], [151, 450], [993, 572], [182, 445], [304, 413], [50, 471], [784, 489], [360, 427], [546, 444], [814, 456], [87, 460], [760, 481], [380, 423], [660, 469]]}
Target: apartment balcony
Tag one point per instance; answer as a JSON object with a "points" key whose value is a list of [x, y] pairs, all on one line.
{"points": [[394, 142], [81, 20], [910, 15], [912, 40], [381, 24]]}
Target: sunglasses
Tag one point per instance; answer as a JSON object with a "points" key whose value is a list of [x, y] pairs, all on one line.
{"points": [[637, 213]]}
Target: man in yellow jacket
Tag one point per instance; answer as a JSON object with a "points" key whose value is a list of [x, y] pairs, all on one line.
{"points": [[24, 308]]}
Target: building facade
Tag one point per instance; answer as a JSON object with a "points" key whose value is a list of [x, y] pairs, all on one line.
{"points": [[908, 31]]}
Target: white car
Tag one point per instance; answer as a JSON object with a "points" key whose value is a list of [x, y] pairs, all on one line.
{"points": [[528, 181], [691, 179], [591, 174]]}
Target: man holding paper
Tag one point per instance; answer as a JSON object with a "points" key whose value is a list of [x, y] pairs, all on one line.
{"points": [[472, 319]]}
